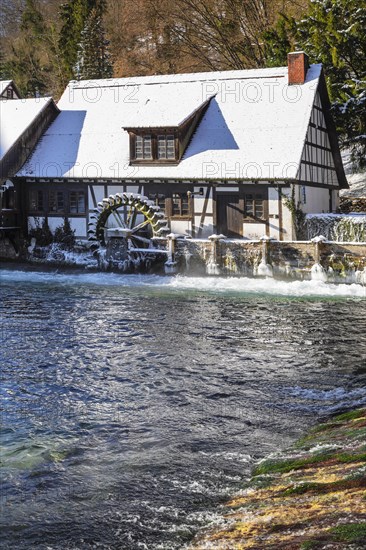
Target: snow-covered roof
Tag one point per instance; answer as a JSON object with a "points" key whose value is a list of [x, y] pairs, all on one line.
{"points": [[15, 117], [254, 127]]}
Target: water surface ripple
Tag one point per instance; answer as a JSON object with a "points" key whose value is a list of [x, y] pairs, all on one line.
{"points": [[132, 407]]}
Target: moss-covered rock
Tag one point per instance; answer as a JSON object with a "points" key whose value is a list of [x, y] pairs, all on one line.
{"points": [[312, 498]]}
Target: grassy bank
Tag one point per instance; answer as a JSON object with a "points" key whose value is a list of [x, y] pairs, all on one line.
{"points": [[311, 498]]}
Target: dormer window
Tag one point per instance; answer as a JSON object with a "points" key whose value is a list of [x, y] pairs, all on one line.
{"points": [[166, 147], [154, 146], [143, 147]]}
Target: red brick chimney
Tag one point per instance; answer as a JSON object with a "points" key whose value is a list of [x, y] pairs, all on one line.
{"points": [[298, 64]]}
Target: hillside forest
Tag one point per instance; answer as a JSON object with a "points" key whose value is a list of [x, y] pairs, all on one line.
{"points": [[46, 43]]}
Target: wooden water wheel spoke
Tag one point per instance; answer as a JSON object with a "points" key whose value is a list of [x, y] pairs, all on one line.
{"points": [[142, 239], [131, 219], [118, 218], [140, 226]]}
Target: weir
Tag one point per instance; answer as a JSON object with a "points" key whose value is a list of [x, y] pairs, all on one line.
{"points": [[317, 259]]}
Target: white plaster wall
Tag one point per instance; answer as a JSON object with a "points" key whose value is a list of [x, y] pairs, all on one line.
{"points": [[273, 201], [90, 200], [199, 204], [52, 222], [254, 231], [274, 228], [99, 195], [134, 189], [55, 222], [228, 189], [317, 200], [79, 224], [287, 225], [181, 227], [32, 223], [113, 189], [207, 228], [115, 222]]}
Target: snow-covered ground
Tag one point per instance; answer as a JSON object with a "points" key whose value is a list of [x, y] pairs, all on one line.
{"points": [[356, 179]]}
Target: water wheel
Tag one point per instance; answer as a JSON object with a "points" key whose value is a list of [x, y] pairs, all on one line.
{"points": [[135, 217]]}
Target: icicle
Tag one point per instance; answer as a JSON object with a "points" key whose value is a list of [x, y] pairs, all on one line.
{"points": [[318, 273]]}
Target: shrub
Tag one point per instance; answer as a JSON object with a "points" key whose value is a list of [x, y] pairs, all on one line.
{"points": [[65, 235], [41, 232]]}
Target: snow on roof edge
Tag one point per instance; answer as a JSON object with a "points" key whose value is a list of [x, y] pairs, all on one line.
{"points": [[23, 101], [180, 77]]}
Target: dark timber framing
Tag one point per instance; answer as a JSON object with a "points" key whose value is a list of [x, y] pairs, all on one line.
{"points": [[319, 158], [10, 92]]}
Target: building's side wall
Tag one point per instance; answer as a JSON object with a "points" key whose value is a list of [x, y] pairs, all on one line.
{"points": [[315, 199]]}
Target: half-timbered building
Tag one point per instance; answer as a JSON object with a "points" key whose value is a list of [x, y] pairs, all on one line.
{"points": [[8, 90], [23, 122], [219, 152]]}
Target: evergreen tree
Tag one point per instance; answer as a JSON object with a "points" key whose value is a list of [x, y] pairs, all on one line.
{"points": [[93, 59], [334, 33], [73, 19], [278, 42], [28, 64]]}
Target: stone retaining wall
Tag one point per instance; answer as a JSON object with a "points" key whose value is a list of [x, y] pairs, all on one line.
{"points": [[328, 261]]}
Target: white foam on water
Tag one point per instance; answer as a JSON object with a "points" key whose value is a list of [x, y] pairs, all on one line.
{"points": [[325, 395], [217, 285]]}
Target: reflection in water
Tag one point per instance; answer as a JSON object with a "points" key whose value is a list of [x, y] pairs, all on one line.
{"points": [[131, 410]]}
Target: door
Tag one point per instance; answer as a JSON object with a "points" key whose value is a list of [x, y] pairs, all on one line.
{"points": [[229, 214]]}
